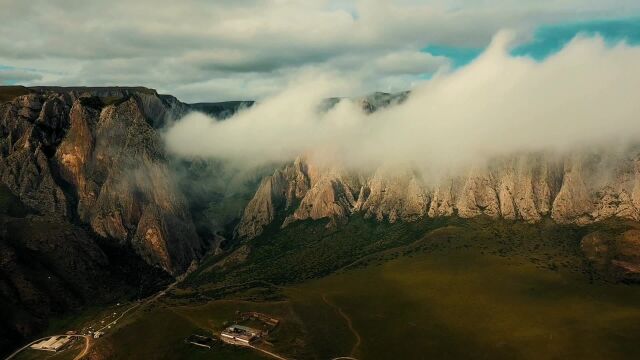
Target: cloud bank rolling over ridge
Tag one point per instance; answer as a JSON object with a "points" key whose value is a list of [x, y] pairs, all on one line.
{"points": [[584, 95]]}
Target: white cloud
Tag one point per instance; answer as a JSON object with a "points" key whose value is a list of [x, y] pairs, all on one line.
{"points": [[585, 95], [409, 62], [10, 76], [190, 44]]}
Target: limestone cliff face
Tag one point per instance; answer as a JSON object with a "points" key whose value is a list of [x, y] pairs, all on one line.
{"points": [[31, 126], [578, 189], [329, 196], [283, 189], [392, 197], [95, 157]]}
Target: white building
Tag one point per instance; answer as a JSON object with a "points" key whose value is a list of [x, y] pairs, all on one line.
{"points": [[239, 334], [53, 343]]}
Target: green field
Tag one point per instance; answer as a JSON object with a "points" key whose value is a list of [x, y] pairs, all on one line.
{"points": [[451, 289], [463, 305]]}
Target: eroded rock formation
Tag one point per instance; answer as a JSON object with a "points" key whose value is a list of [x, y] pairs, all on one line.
{"points": [[93, 156], [571, 189]]}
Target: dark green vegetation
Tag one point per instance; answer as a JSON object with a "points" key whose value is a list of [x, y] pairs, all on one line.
{"points": [[49, 267], [446, 288], [307, 250], [7, 93]]}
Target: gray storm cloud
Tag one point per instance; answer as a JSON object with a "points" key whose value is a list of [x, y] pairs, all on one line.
{"points": [[584, 95]]}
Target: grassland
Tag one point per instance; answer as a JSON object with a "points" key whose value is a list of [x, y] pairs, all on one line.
{"points": [[469, 306], [451, 288], [8, 93]]}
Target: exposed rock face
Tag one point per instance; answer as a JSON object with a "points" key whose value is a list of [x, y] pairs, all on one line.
{"points": [[50, 266], [392, 197], [614, 255], [628, 254], [478, 196], [283, 189], [575, 189], [26, 139], [329, 197], [92, 155]]}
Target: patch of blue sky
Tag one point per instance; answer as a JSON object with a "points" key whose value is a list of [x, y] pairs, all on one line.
{"points": [[459, 56], [549, 39]]}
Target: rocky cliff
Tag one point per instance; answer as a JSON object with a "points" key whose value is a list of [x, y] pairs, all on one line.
{"points": [[89, 209], [93, 156], [49, 266], [577, 188]]}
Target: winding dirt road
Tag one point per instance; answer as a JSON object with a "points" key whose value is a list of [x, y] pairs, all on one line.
{"points": [[268, 352], [87, 345], [349, 325]]}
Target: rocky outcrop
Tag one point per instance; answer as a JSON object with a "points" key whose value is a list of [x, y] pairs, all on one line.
{"points": [[613, 255], [49, 266], [392, 197], [92, 155], [27, 139], [572, 189], [282, 190], [328, 197]]}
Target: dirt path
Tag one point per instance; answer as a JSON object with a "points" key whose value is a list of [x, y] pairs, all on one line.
{"points": [[349, 324], [119, 317], [268, 352], [87, 345], [84, 352]]}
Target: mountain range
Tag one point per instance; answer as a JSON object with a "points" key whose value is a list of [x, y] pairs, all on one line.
{"points": [[88, 191]]}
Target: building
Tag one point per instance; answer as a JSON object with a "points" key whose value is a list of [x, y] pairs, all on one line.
{"points": [[267, 319], [53, 343], [239, 335]]}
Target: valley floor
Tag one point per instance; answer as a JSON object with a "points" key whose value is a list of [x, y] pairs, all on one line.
{"points": [[451, 293]]}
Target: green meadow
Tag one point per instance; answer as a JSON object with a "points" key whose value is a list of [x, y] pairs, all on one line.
{"points": [[468, 306], [476, 289]]}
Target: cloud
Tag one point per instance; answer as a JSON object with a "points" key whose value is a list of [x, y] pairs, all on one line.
{"points": [[500, 104], [410, 62], [177, 47], [12, 76]]}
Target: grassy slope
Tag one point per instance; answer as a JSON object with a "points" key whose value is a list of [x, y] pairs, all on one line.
{"points": [[449, 288], [8, 93], [458, 304]]}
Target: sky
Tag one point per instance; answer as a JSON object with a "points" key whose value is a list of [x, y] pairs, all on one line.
{"points": [[253, 49]]}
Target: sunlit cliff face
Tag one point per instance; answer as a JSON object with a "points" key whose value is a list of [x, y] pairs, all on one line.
{"points": [[585, 95]]}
